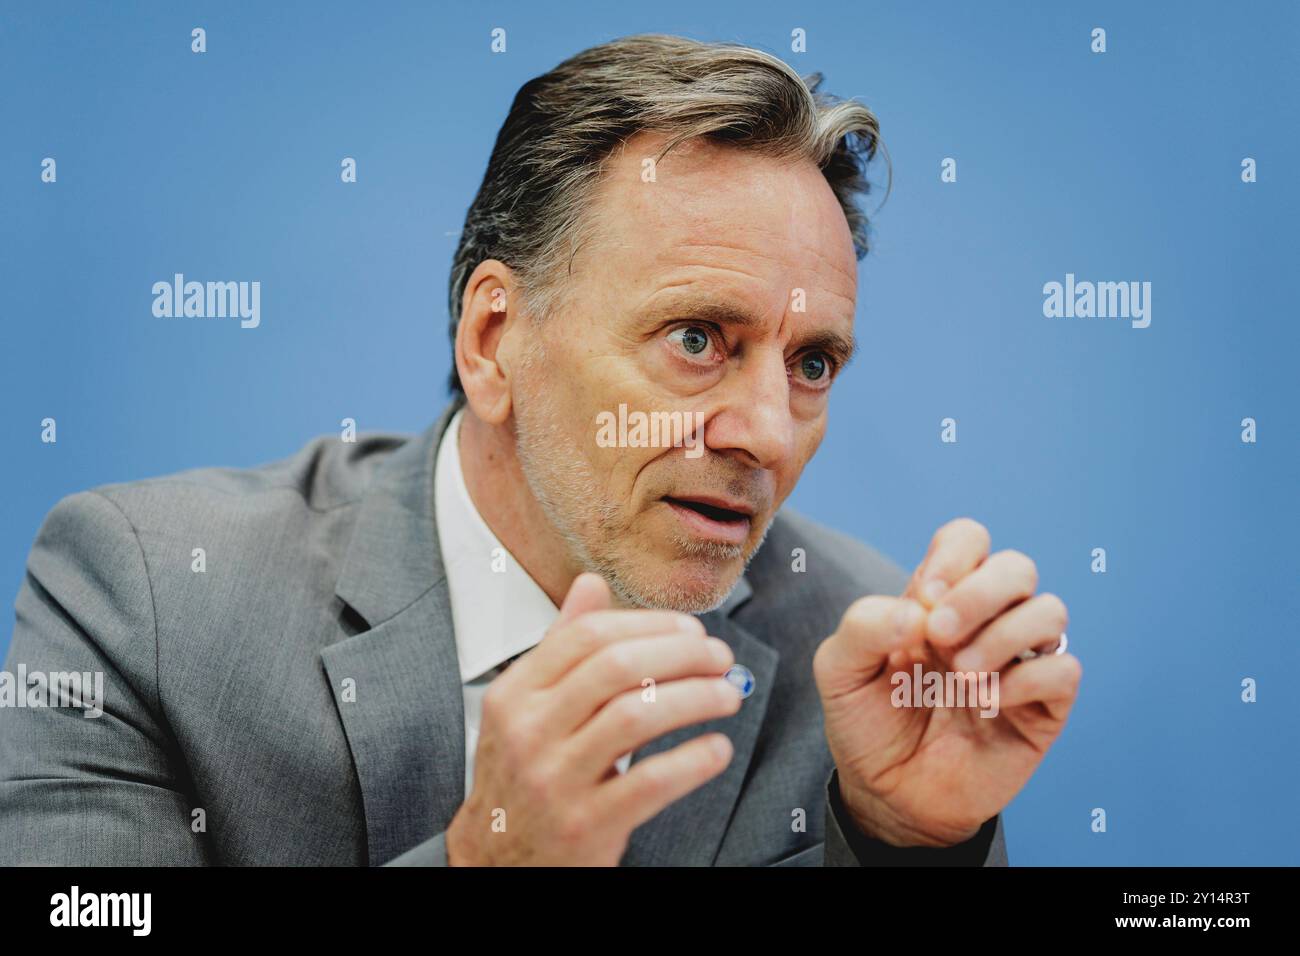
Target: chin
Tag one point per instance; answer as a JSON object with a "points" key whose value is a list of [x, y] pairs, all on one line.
{"points": [[691, 584], [666, 569]]}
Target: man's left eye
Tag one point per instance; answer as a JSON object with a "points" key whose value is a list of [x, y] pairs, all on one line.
{"points": [[814, 366], [691, 339]]}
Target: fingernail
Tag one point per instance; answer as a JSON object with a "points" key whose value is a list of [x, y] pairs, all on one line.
{"points": [[934, 589], [967, 660], [721, 746], [944, 622]]}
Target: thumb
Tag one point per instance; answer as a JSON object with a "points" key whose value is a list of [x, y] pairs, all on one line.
{"points": [[872, 628], [588, 592]]}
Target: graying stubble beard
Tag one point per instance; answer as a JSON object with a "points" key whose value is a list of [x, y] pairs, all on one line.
{"points": [[567, 491]]}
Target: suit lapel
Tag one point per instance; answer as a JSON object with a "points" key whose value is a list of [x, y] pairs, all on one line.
{"points": [[689, 831], [406, 725]]}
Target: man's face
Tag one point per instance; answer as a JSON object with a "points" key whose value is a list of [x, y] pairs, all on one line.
{"points": [[723, 291]]}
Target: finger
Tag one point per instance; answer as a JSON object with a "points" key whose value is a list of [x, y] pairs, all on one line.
{"points": [[1029, 625], [567, 644], [652, 784], [588, 592], [1006, 578], [629, 664], [1051, 680], [634, 718], [957, 549], [871, 630]]}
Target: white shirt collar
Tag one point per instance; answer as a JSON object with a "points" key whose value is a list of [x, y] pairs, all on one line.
{"points": [[497, 610]]}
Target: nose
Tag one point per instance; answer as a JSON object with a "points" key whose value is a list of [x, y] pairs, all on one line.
{"points": [[755, 420]]}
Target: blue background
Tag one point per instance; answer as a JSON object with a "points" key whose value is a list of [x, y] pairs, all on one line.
{"points": [[1073, 434]]}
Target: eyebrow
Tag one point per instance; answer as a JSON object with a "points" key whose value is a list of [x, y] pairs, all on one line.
{"points": [[839, 347]]}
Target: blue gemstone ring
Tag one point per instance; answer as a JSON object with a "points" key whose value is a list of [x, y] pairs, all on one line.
{"points": [[740, 677]]}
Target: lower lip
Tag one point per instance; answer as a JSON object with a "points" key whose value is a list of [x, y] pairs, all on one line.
{"points": [[731, 532]]}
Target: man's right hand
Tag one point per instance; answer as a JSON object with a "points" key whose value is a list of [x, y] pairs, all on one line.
{"points": [[546, 791]]}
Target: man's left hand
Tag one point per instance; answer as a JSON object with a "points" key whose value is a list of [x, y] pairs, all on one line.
{"points": [[931, 776]]}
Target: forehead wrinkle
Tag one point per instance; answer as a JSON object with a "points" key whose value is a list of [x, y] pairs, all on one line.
{"points": [[848, 300], [710, 284], [714, 244], [833, 262], [829, 260], [819, 290], [684, 254]]}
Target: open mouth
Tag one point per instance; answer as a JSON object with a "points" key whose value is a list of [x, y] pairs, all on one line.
{"points": [[708, 510], [709, 519]]}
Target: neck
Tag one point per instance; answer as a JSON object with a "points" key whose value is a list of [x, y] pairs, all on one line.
{"points": [[496, 484]]}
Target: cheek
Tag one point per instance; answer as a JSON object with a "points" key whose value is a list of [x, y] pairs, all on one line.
{"points": [[618, 471]]}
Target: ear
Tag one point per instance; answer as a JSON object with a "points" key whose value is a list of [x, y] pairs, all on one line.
{"points": [[489, 309]]}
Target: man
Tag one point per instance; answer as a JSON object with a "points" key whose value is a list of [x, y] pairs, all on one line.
{"points": [[490, 644]]}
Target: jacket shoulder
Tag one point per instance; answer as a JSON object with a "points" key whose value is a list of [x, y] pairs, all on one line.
{"points": [[323, 475], [255, 532]]}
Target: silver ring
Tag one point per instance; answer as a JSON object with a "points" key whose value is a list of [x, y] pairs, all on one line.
{"points": [[1061, 644]]}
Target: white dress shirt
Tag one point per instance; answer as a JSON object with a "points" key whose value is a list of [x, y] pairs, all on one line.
{"points": [[497, 610]]}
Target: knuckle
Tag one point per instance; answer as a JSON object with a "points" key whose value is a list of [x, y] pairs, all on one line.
{"points": [[622, 664], [520, 737], [863, 612], [538, 782], [585, 632], [655, 782], [627, 713], [571, 826], [496, 701]]}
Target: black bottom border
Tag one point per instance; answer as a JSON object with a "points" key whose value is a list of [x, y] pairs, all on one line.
{"points": [[816, 905]]}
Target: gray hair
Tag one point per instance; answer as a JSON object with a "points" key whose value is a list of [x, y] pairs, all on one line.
{"points": [[563, 125]]}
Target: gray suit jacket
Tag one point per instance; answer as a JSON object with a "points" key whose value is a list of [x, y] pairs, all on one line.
{"points": [[230, 736]]}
